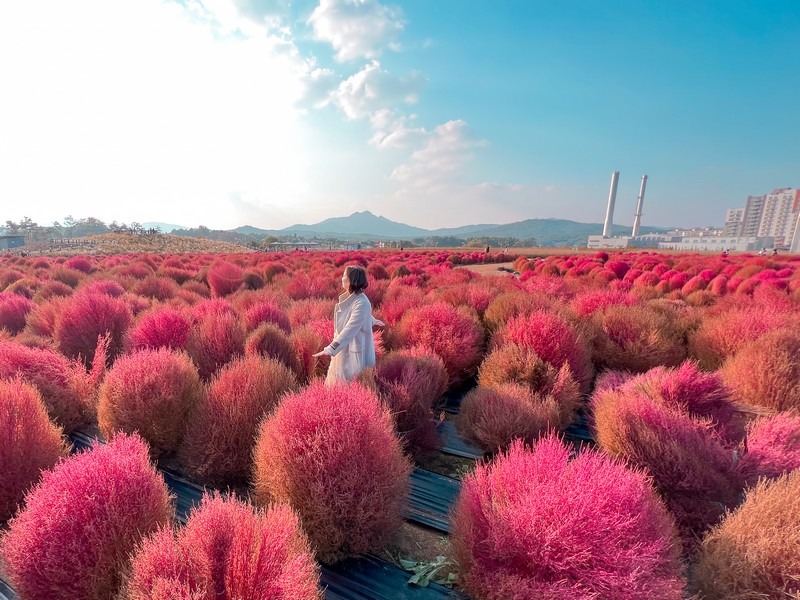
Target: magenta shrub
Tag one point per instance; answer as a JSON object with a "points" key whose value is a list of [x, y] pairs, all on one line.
{"points": [[553, 339], [227, 550], [534, 524], [691, 469], [85, 318], [454, 334], [312, 439], [13, 311], [29, 442], [270, 341], [221, 430], [410, 382], [772, 447], [224, 278], [79, 525], [267, 312], [67, 391], [163, 327], [150, 392], [215, 341]]}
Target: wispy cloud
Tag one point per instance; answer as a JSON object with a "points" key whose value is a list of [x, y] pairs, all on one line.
{"points": [[373, 88], [357, 28], [391, 131]]}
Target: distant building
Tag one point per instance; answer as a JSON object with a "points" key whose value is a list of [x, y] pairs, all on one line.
{"points": [[772, 215], [716, 243], [11, 241], [733, 222], [751, 221]]}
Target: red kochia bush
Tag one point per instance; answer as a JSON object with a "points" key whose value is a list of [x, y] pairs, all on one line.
{"points": [[691, 469], [755, 551], [533, 524], [13, 311], [766, 372], [67, 391], [227, 550], [331, 452], [222, 428], [410, 382], [150, 392], [455, 335], [267, 312], [29, 442], [85, 318], [553, 339], [270, 341], [214, 341], [224, 278], [773, 447], [160, 328], [81, 522]]}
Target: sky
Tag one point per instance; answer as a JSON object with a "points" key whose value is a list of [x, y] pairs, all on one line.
{"points": [[433, 113]]}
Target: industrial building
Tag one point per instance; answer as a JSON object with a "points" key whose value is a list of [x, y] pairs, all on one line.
{"points": [[768, 221], [11, 241]]}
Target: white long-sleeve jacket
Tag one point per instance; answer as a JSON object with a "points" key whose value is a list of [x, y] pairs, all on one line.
{"points": [[353, 348]]}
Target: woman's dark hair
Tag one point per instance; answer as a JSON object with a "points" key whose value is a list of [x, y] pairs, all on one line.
{"points": [[357, 277]]}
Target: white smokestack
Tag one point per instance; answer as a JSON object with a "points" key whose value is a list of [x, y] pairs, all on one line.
{"points": [[612, 198], [637, 216]]}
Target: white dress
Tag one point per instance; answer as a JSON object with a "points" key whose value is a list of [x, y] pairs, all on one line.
{"points": [[353, 348]]}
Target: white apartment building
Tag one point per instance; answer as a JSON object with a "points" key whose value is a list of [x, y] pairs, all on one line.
{"points": [[733, 222], [772, 215]]}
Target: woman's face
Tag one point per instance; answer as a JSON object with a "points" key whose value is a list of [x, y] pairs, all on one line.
{"points": [[345, 282]]}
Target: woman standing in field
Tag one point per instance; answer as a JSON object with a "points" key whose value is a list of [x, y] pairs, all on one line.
{"points": [[352, 349]]}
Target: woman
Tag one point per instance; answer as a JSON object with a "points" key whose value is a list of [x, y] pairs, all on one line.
{"points": [[352, 349]]}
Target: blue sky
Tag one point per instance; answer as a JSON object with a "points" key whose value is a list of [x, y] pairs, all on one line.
{"points": [[434, 113]]}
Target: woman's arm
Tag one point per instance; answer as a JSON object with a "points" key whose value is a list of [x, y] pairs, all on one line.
{"points": [[360, 315]]}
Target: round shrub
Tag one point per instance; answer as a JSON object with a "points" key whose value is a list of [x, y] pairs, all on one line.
{"points": [[82, 520], [270, 341], [79, 263], [533, 524], [156, 287], [42, 318], [215, 341], [224, 278], [67, 391], [306, 342], [85, 318], [766, 372], [636, 338], [410, 382], [755, 551], [29, 442], [267, 312], [221, 430], [13, 311], [691, 469], [773, 447], [162, 327], [454, 334], [553, 339], [332, 454], [512, 363], [722, 335], [491, 418], [227, 550], [150, 392]]}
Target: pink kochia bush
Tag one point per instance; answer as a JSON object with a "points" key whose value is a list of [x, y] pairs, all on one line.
{"points": [[80, 523], [533, 524], [13, 311], [227, 550], [691, 469], [29, 442], [331, 452], [410, 382], [67, 391], [161, 328], [222, 428], [150, 392], [87, 317], [455, 335], [773, 447], [214, 340], [553, 339], [224, 278]]}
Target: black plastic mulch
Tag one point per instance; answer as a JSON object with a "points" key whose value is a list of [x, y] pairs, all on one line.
{"points": [[6, 592], [364, 578]]}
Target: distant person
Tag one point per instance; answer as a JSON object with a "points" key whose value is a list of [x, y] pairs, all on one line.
{"points": [[487, 249], [352, 349], [774, 252]]}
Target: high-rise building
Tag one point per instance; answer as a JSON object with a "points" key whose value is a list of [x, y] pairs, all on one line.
{"points": [[779, 215], [751, 221], [733, 222]]}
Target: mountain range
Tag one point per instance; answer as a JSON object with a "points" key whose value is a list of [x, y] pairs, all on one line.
{"points": [[362, 226]]}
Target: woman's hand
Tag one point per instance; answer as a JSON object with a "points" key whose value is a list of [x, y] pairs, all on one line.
{"points": [[378, 322], [321, 353]]}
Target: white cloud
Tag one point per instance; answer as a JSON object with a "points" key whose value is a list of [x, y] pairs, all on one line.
{"points": [[357, 28], [391, 131], [441, 159], [373, 88]]}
